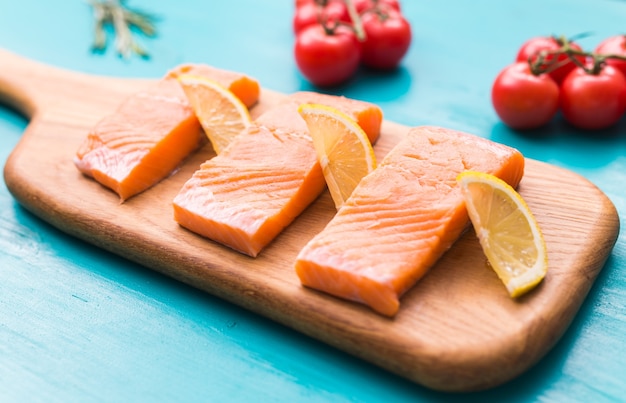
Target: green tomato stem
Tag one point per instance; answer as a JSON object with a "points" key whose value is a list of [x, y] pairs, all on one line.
{"points": [[356, 20], [546, 60]]}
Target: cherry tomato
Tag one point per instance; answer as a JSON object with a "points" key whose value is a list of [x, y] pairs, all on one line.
{"points": [[327, 57], [364, 5], [533, 46], [593, 101], [387, 39], [311, 13], [523, 100], [614, 45]]}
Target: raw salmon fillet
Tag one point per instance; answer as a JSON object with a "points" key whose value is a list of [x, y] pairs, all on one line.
{"points": [[245, 196], [370, 119], [401, 218], [245, 88], [149, 134]]}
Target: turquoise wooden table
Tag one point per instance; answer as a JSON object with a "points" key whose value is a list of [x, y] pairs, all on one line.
{"points": [[81, 324]]}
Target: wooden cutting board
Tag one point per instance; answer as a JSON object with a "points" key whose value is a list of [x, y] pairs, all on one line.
{"points": [[457, 329]]}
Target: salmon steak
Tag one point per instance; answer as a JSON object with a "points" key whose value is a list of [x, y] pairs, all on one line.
{"points": [[151, 132], [245, 196], [401, 218], [243, 87]]}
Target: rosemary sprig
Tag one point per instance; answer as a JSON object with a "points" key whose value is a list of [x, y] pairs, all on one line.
{"points": [[124, 20]]}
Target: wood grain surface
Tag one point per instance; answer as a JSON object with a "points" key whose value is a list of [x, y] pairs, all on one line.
{"points": [[457, 329]]}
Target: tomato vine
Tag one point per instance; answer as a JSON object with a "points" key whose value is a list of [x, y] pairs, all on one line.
{"points": [[335, 37], [590, 85]]}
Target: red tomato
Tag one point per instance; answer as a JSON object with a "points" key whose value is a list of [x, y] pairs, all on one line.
{"points": [[364, 5], [593, 101], [532, 47], [614, 45], [523, 100], [310, 13], [387, 39], [327, 57]]}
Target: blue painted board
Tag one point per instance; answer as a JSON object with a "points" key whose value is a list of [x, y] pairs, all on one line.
{"points": [[80, 324]]}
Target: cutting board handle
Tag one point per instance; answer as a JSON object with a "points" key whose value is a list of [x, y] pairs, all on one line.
{"points": [[18, 76], [33, 87]]}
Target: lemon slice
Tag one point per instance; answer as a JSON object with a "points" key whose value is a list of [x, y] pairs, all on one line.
{"points": [[343, 149], [508, 232], [221, 114]]}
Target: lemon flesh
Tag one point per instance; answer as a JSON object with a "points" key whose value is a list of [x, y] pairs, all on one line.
{"points": [[343, 149], [507, 230]]}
